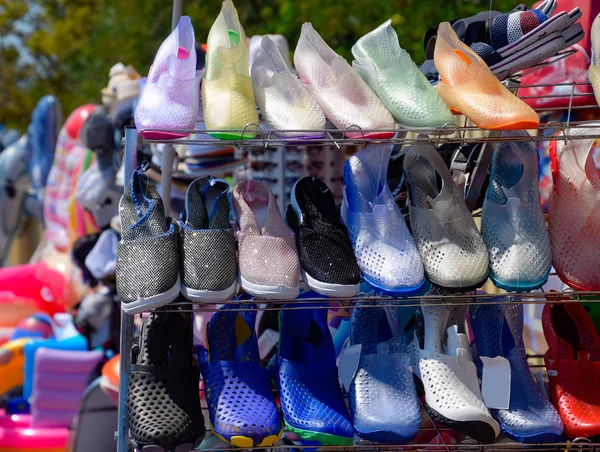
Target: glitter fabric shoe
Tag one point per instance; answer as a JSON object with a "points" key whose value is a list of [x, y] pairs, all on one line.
{"points": [[284, 101], [382, 394], [241, 404], [268, 258], [311, 398], [453, 253], [574, 211], [512, 223], [384, 249], [227, 95], [148, 254], [395, 78], [530, 417], [594, 70], [469, 87], [344, 97], [326, 256], [449, 377], [207, 244], [573, 368], [162, 397], [170, 95]]}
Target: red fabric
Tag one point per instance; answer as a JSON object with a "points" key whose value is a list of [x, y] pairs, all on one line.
{"points": [[529, 21]]}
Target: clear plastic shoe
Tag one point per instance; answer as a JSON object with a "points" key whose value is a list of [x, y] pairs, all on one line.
{"points": [[395, 78], [344, 97], [384, 249], [445, 367], [530, 417], [574, 211], [170, 95], [382, 395], [451, 248], [469, 87], [227, 95], [594, 69], [283, 100], [512, 223]]}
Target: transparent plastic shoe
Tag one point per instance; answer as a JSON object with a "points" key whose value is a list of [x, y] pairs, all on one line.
{"points": [[574, 211], [344, 97], [513, 224], [395, 78], [384, 249], [283, 100], [227, 94], [382, 394], [170, 95], [453, 253], [445, 367], [469, 87], [594, 70], [530, 417]]}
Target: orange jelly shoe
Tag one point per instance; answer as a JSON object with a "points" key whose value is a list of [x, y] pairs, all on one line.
{"points": [[469, 87]]}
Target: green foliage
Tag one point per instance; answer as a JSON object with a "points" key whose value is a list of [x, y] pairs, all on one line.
{"points": [[66, 47]]}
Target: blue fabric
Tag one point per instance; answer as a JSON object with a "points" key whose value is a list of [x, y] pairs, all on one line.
{"points": [[487, 53], [499, 31], [540, 15]]}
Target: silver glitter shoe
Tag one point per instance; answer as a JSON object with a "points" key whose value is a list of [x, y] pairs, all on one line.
{"points": [[147, 255], [207, 244]]}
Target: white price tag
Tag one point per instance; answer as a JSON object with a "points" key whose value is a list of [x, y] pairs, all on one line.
{"points": [[267, 340], [495, 382], [349, 359]]}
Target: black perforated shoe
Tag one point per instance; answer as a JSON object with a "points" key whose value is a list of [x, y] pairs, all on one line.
{"points": [[326, 256], [163, 398]]}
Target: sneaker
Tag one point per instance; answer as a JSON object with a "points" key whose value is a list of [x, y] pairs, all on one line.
{"points": [[162, 397], [512, 223], [227, 94], [382, 395], [469, 87], [283, 100], [344, 97], [453, 253], [241, 404], [530, 417], [573, 368], [315, 220], [268, 258], [395, 78], [573, 213], [148, 253], [170, 95], [594, 70], [444, 365], [14, 180], [207, 244], [384, 249], [311, 398]]}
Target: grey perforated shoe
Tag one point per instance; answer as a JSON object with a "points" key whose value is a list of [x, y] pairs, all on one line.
{"points": [[207, 244], [148, 254]]}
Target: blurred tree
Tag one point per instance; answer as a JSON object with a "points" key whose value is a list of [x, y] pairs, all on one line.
{"points": [[66, 47]]}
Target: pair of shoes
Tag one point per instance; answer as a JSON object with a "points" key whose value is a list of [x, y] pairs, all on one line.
{"points": [[326, 256], [157, 258], [573, 366], [384, 249], [163, 399], [441, 359], [382, 395], [170, 95], [530, 417]]}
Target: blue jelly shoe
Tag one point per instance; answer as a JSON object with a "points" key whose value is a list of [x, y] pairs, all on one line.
{"points": [[311, 398], [530, 417], [382, 394], [241, 405]]}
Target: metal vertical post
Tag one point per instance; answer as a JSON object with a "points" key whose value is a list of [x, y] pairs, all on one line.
{"points": [[126, 320], [177, 12]]}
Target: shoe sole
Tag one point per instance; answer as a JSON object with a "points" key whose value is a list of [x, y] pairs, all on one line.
{"points": [[403, 293], [269, 292], [247, 442], [459, 289], [478, 430], [185, 447], [153, 302], [324, 439], [208, 296], [234, 136], [331, 290], [519, 289]]}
